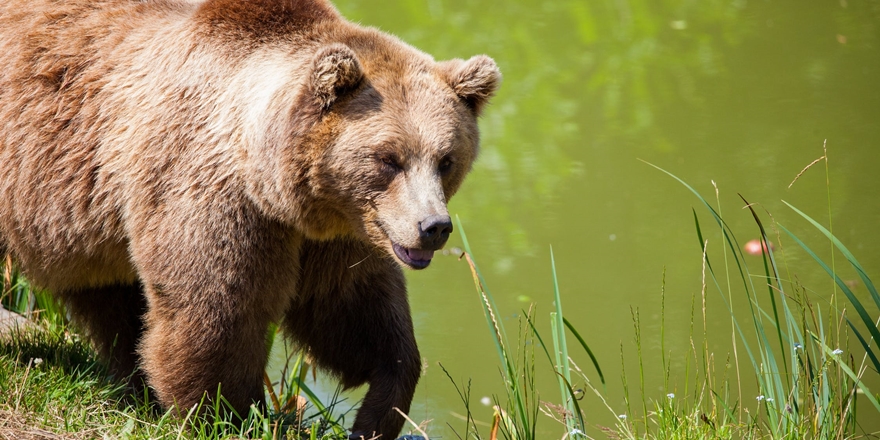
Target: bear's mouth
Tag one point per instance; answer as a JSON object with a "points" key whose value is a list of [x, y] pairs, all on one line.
{"points": [[414, 258]]}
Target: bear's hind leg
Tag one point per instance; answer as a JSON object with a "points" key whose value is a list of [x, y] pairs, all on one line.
{"points": [[352, 313], [112, 318]]}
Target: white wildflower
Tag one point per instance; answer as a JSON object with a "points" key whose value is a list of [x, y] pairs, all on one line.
{"points": [[622, 417], [759, 398], [837, 351], [671, 395]]}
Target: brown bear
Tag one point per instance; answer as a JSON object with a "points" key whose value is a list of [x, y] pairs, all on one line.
{"points": [[182, 174]]}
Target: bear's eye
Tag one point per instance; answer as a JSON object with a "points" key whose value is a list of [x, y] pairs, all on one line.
{"points": [[390, 162], [445, 165]]}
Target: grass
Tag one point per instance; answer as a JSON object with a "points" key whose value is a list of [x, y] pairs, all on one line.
{"points": [[806, 385], [793, 344], [53, 386]]}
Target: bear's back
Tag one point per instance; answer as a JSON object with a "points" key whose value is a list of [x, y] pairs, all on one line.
{"points": [[57, 215]]}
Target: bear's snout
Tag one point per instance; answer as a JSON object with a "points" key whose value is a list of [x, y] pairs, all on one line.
{"points": [[434, 231]]}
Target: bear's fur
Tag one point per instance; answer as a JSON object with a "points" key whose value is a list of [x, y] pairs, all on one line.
{"points": [[180, 174]]}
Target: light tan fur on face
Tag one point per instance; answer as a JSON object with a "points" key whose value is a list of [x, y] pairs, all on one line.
{"points": [[182, 173], [420, 120]]}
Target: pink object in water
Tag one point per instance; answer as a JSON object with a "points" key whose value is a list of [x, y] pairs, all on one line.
{"points": [[753, 247]]}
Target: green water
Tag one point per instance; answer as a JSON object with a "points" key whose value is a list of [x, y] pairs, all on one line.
{"points": [[742, 93]]}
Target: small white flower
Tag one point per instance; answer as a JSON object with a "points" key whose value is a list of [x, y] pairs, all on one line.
{"points": [[622, 417], [671, 395], [38, 361], [486, 401], [798, 346], [769, 399], [837, 351], [575, 432], [759, 398]]}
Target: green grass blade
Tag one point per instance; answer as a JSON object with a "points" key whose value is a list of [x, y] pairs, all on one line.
{"points": [[538, 335], [560, 346], [731, 241], [792, 330], [728, 411], [736, 323], [496, 328], [586, 348], [860, 309], [865, 345], [558, 362], [316, 402], [848, 371], [559, 326], [846, 253], [700, 237]]}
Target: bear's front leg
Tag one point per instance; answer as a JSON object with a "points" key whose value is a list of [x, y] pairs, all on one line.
{"points": [[351, 312], [214, 277], [190, 353]]}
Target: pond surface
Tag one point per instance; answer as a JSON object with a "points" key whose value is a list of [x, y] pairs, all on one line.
{"points": [[742, 93]]}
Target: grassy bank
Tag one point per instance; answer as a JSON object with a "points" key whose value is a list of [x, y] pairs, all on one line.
{"points": [[52, 386]]}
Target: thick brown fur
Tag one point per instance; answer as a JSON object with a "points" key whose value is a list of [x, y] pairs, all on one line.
{"points": [[181, 174]]}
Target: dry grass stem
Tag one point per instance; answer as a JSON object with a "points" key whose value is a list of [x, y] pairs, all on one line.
{"points": [[417, 427], [805, 170], [485, 299], [14, 426], [359, 262], [272, 396]]}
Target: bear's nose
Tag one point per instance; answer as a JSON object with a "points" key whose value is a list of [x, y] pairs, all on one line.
{"points": [[435, 230]]}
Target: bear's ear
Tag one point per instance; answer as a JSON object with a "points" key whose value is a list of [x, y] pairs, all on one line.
{"points": [[474, 80], [335, 70]]}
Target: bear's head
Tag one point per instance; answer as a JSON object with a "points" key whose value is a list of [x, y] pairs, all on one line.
{"points": [[378, 139]]}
